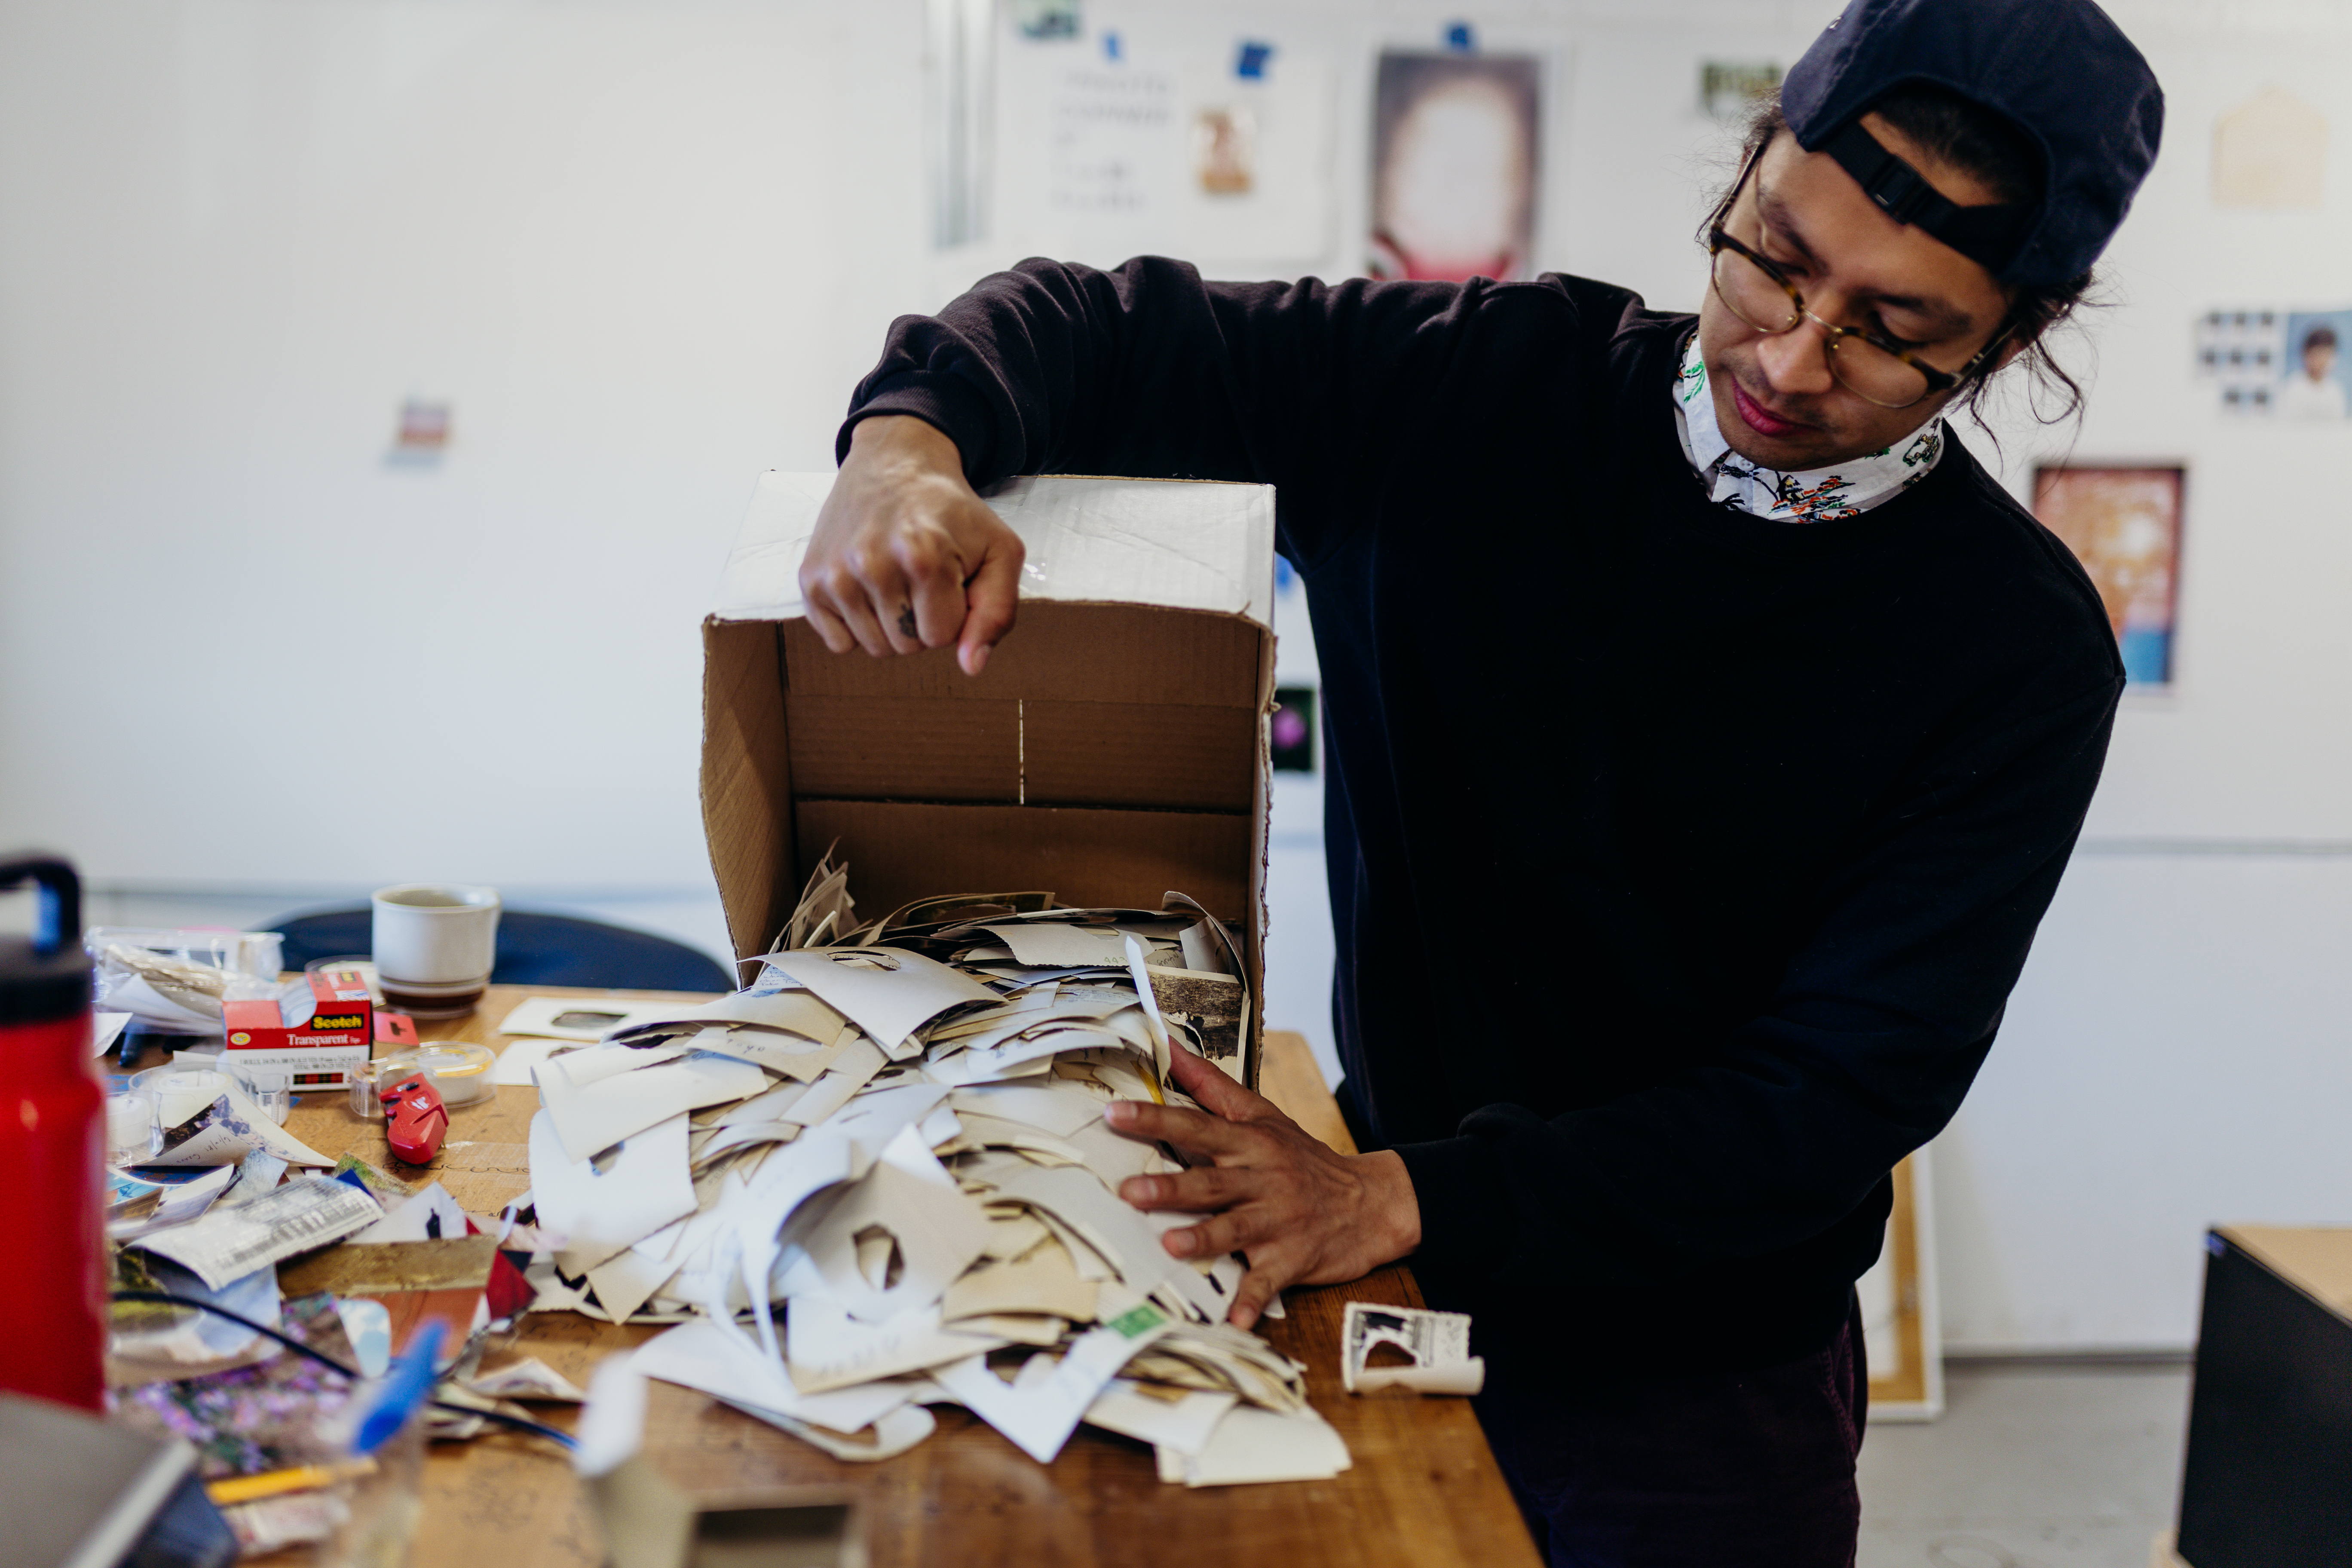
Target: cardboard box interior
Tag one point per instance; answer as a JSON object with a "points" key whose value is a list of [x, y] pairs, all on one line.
{"points": [[1112, 751]]}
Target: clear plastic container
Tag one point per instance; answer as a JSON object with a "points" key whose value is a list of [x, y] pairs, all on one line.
{"points": [[132, 1133], [181, 1092], [272, 1092], [461, 1072], [380, 1507]]}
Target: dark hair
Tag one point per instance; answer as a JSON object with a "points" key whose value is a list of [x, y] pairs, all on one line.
{"points": [[1988, 148], [2322, 336]]}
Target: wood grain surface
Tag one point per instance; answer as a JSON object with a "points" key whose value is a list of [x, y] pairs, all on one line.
{"points": [[1423, 1489]]}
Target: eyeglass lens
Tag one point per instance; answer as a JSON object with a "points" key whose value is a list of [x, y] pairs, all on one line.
{"points": [[1758, 299]]}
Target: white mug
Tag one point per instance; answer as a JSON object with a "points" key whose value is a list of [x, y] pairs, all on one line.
{"points": [[436, 944]]}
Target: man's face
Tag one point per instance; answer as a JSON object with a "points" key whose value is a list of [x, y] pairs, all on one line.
{"points": [[1775, 398], [2318, 359]]}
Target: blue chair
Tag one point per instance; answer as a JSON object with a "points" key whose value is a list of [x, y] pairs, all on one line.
{"points": [[533, 949]]}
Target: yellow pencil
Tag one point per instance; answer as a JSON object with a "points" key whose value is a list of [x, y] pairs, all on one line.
{"points": [[275, 1483]]}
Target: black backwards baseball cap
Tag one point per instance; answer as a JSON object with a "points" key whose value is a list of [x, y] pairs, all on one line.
{"points": [[2059, 70]]}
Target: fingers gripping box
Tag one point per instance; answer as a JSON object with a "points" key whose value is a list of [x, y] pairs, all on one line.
{"points": [[1114, 748]]}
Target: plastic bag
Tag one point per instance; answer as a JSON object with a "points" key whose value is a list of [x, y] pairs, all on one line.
{"points": [[173, 982]]}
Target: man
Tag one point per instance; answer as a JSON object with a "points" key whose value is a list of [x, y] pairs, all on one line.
{"points": [[2315, 393], [1636, 1019]]}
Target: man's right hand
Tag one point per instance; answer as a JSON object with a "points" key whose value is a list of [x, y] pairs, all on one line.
{"points": [[906, 555]]}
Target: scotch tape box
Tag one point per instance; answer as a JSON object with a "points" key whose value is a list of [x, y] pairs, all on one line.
{"points": [[320, 1039]]}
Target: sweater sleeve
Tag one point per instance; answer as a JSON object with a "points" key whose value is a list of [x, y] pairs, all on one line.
{"points": [[1876, 1030], [1149, 371]]}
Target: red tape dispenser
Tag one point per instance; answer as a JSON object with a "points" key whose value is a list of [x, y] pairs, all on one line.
{"points": [[416, 1120]]}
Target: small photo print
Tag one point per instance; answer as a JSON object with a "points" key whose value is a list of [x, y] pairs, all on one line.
{"points": [[2123, 526], [2317, 375], [2274, 363], [1224, 145], [1294, 730]]}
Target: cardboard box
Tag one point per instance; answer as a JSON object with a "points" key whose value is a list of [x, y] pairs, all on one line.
{"points": [[2270, 1420], [319, 1051], [1114, 748]]}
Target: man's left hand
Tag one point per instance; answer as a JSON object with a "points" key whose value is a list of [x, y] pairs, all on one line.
{"points": [[1301, 1211]]}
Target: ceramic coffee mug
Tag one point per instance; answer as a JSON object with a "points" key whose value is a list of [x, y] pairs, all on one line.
{"points": [[435, 945]]}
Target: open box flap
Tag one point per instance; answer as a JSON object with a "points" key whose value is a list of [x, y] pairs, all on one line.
{"points": [[1174, 543]]}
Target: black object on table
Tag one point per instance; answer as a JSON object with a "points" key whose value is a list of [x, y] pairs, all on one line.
{"points": [[2270, 1423], [533, 949]]}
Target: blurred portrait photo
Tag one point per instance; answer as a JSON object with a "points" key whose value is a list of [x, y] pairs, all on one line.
{"points": [[1455, 141]]}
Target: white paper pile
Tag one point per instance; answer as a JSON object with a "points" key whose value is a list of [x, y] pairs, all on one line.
{"points": [[879, 1179]]}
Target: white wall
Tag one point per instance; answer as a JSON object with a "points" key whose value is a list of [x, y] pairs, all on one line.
{"points": [[644, 249]]}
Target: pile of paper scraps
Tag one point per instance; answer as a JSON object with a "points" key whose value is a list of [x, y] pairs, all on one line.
{"points": [[879, 1179]]}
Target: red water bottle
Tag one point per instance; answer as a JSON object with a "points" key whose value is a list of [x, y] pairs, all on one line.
{"points": [[52, 1152]]}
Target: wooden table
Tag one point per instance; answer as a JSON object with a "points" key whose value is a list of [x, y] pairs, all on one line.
{"points": [[1424, 1488]]}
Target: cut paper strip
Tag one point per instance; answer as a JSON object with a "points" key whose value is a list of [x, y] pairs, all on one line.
{"points": [[888, 992], [607, 1110], [1060, 1111], [429, 1214], [776, 1105], [1048, 1282], [705, 1356], [795, 1011], [519, 1060], [578, 1018], [852, 1071], [1184, 1425], [1080, 1200], [893, 1434], [1040, 1409], [1054, 944], [1252, 1446], [790, 1054], [899, 1238], [825, 1348], [529, 1378], [600, 1206], [594, 1064], [876, 1118]]}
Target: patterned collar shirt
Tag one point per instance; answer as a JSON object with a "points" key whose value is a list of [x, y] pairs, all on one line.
{"points": [[1811, 495]]}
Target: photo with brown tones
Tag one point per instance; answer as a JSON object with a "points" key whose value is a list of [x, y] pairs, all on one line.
{"points": [[2123, 526]]}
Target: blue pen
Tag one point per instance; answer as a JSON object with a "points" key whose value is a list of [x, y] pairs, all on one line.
{"points": [[405, 1386]]}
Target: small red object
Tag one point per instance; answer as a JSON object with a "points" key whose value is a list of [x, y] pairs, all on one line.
{"points": [[416, 1120]]}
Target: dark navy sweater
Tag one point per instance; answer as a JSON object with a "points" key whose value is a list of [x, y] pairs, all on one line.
{"points": [[1682, 861]]}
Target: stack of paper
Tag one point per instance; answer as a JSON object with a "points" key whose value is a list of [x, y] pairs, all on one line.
{"points": [[879, 1179]]}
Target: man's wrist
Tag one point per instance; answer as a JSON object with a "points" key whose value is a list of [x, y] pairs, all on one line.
{"points": [[1396, 1204], [906, 437]]}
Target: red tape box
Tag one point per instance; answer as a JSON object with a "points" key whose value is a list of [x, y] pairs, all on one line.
{"points": [[325, 1050]]}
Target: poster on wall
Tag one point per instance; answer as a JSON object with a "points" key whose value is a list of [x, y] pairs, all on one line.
{"points": [[1730, 91], [2271, 151], [1454, 140], [2278, 364], [2124, 525], [1174, 138]]}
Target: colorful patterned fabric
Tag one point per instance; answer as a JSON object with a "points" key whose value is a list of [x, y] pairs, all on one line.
{"points": [[1812, 494]]}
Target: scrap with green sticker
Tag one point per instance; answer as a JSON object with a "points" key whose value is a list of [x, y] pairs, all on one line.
{"points": [[1137, 1321]]}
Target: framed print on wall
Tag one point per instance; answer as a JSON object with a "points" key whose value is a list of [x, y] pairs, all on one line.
{"points": [[2124, 525]]}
